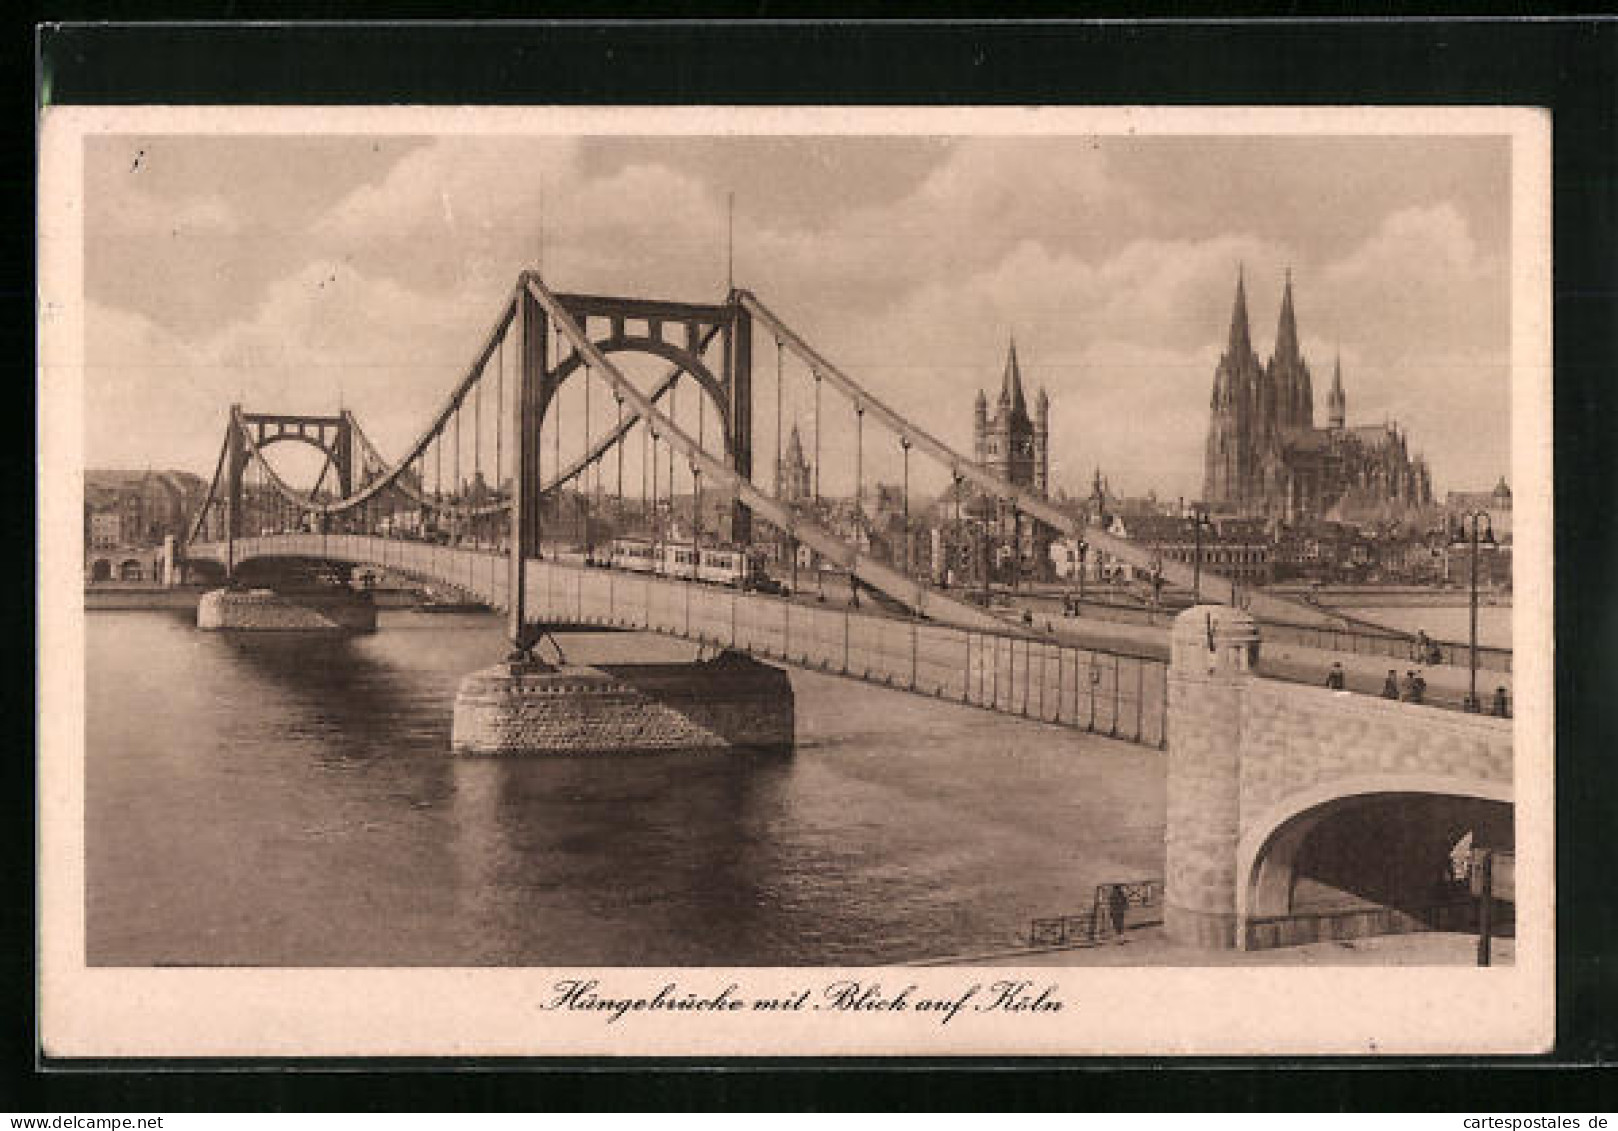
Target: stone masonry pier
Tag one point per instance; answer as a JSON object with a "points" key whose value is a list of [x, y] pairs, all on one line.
{"points": [[266, 610], [730, 702]]}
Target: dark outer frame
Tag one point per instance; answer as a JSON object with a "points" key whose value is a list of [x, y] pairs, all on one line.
{"points": [[1570, 66]]}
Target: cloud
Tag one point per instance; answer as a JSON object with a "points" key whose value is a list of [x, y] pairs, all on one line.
{"points": [[1120, 302]]}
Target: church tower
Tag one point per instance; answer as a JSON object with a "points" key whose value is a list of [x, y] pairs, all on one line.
{"points": [[1230, 461], [794, 474], [1294, 396], [1012, 444]]}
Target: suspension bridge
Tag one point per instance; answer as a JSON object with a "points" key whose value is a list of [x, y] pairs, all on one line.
{"points": [[1267, 782], [477, 502]]}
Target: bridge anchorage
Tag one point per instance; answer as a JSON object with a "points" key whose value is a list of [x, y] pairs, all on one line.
{"points": [[1297, 814]]}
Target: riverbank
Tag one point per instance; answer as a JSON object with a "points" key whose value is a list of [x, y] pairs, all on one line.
{"points": [[1391, 596], [1148, 946], [132, 597]]}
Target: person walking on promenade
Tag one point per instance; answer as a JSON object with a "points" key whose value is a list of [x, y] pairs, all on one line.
{"points": [[1117, 908], [1390, 686], [1413, 688], [1501, 708], [1334, 678]]}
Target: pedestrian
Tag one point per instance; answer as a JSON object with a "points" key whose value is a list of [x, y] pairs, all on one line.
{"points": [[1117, 908], [1407, 689], [1334, 678], [1501, 708], [1390, 686], [1418, 687]]}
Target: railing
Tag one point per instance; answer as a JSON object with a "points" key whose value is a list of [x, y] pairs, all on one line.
{"points": [[1355, 641], [1393, 645], [1117, 908], [1110, 693]]}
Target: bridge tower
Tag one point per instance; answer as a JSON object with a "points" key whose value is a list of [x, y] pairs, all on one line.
{"points": [[678, 332], [332, 435]]}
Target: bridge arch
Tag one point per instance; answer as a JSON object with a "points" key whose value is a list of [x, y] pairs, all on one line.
{"points": [[1351, 831], [100, 569], [314, 442], [132, 569], [688, 361]]}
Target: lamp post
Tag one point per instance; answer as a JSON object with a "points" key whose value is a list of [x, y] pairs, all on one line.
{"points": [[1084, 550], [982, 555], [1488, 536], [1199, 519]]}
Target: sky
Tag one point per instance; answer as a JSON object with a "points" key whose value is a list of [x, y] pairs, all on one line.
{"points": [[297, 273]]}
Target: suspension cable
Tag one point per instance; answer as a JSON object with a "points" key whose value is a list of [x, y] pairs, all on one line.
{"points": [[696, 474], [499, 416], [556, 433], [904, 443], [859, 459], [673, 411], [618, 398], [778, 453], [657, 518], [584, 478]]}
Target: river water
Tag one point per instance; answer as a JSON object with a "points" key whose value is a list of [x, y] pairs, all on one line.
{"points": [[291, 800], [1452, 623]]}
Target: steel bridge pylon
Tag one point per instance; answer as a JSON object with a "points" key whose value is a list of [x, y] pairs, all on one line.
{"points": [[332, 435], [678, 332]]}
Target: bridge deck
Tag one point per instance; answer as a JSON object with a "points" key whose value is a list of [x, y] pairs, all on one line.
{"points": [[1098, 691]]}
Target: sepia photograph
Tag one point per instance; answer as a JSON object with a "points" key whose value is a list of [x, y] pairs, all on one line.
{"points": [[672, 580]]}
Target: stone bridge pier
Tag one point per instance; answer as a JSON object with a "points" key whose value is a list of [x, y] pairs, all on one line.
{"points": [[1297, 813]]}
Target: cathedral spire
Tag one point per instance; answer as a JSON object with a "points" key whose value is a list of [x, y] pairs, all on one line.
{"points": [[1336, 402], [1286, 334], [1241, 341]]}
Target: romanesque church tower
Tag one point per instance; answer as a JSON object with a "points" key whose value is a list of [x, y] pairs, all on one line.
{"points": [[1013, 444]]}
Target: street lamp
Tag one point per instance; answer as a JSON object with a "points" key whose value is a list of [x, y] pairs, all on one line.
{"points": [[1488, 536], [1199, 519], [1084, 550]]}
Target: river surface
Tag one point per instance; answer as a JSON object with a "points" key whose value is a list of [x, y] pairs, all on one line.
{"points": [[291, 800], [1448, 623]]}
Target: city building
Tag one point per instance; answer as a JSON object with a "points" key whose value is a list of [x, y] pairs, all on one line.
{"points": [[1496, 504], [1234, 548], [105, 530], [1266, 458], [138, 508]]}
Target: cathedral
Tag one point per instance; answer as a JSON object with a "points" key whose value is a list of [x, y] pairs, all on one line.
{"points": [[1265, 457]]}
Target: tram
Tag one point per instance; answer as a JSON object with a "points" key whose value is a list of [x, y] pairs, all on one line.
{"points": [[716, 565]]}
